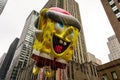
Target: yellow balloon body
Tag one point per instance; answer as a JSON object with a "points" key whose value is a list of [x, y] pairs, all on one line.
{"points": [[55, 34]]}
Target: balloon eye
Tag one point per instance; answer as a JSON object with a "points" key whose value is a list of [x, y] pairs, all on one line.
{"points": [[60, 25]]}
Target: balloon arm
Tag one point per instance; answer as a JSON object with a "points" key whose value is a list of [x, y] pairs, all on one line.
{"points": [[35, 70]]}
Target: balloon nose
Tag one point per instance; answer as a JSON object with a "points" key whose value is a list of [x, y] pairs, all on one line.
{"points": [[67, 32]]}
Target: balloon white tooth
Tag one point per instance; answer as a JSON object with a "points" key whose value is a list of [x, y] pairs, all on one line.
{"points": [[64, 43], [61, 41]]}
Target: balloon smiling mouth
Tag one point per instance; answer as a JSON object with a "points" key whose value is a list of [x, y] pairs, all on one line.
{"points": [[59, 45]]}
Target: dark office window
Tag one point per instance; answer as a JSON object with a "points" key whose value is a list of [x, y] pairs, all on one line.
{"points": [[25, 63], [116, 11], [118, 1], [114, 75], [72, 70], [112, 5], [109, 0], [95, 73], [68, 71], [77, 65], [105, 77], [36, 22], [20, 63], [60, 3], [81, 67], [91, 69], [118, 19]]}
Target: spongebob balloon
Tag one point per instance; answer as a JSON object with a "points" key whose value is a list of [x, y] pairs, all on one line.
{"points": [[56, 35]]}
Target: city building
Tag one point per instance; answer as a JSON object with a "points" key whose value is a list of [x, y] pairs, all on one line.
{"points": [[98, 61], [8, 58], [114, 48], [25, 73], [23, 52], [92, 58], [85, 71], [73, 71], [112, 9], [110, 70], [2, 5], [2, 59]]}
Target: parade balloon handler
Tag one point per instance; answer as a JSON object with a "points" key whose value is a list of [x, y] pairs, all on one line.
{"points": [[56, 36]]}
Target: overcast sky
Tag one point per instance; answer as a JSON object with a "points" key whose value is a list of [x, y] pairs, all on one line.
{"points": [[94, 20]]}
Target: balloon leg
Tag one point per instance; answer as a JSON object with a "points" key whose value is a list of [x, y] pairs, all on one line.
{"points": [[36, 70]]}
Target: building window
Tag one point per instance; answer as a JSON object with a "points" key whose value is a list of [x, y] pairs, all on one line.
{"points": [[60, 3], [114, 75], [68, 72], [116, 12], [118, 1], [118, 19], [91, 68], [105, 77], [115, 9], [118, 15], [111, 2], [72, 70], [112, 5]]}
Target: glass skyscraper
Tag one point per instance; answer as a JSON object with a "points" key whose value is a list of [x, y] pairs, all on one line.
{"points": [[8, 58], [2, 5], [24, 49], [114, 48]]}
